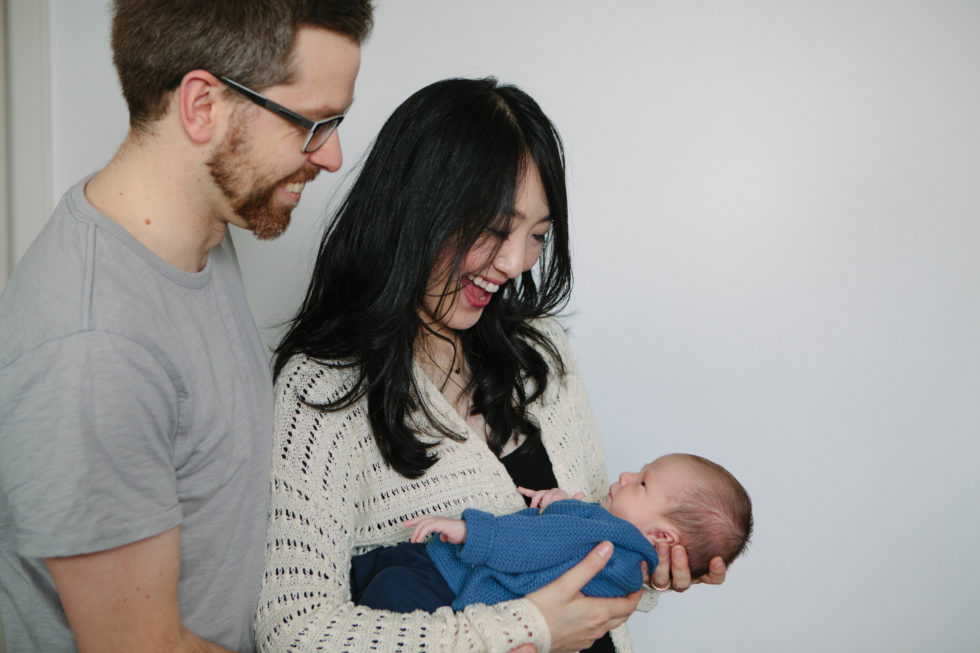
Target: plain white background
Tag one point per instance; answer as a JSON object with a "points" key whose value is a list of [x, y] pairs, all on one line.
{"points": [[776, 219]]}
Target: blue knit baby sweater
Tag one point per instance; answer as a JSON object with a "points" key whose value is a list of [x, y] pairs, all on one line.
{"points": [[510, 556]]}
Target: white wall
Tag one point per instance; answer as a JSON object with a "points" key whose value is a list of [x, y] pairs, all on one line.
{"points": [[27, 126], [776, 219], [4, 204]]}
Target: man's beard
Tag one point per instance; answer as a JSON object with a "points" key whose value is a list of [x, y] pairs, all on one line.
{"points": [[252, 199]]}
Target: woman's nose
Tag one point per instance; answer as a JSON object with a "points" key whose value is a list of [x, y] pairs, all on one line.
{"points": [[510, 258]]}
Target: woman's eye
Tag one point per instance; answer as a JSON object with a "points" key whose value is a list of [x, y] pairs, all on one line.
{"points": [[543, 238], [498, 233]]}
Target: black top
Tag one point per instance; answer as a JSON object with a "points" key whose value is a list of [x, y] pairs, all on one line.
{"points": [[530, 467]]}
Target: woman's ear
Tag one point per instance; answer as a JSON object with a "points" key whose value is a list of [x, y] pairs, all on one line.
{"points": [[199, 97]]}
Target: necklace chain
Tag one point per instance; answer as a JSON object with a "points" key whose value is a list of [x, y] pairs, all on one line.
{"points": [[465, 397]]}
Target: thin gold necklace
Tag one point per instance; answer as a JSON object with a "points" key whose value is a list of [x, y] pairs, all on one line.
{"points": [[447, 374]]}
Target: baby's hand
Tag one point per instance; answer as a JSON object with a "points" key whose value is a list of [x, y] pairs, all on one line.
{"points": [[452, 530], [543, 498]]}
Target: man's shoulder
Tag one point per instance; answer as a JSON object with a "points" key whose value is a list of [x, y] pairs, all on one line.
{"points": [[85, 273], [44, 297]]}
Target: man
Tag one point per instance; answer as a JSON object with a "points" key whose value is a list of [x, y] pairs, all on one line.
{"points": [[135, 393]]}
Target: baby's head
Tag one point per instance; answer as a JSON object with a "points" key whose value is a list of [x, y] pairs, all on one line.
{"points": [[689, 500]]}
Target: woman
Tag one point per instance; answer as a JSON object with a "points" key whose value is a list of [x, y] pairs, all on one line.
{"points": [[423, 375]]}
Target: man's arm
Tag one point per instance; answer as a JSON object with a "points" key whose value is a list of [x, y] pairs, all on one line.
{"points": [[125, 599]]}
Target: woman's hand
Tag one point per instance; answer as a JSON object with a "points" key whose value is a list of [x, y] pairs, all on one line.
{"points": [[576, 620], [543, 498], [673, 571], [452, 530]]}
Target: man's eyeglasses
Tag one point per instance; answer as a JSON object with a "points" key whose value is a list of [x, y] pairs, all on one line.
{"points": [[320, 130]]}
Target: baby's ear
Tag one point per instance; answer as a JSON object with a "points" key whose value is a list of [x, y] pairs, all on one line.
{"points": [[661, 535]]}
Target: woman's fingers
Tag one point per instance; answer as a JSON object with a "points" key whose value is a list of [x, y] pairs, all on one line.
{"points": [[624, 610], [575, 620], [573, 580], [716, 572], [680, 571], [673, 570], [661, 574]]}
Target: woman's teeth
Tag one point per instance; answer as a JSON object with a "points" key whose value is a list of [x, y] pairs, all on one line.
{"points": [[296, 187], [483, 283]]}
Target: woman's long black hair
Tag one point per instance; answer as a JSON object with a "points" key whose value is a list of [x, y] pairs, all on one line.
{"points": [[442, 172]]}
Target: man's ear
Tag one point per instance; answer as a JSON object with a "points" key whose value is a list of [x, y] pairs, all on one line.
{"points": [[199, 99]]}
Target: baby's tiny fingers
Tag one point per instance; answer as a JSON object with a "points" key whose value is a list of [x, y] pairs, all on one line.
{"points": [[420, 534]]}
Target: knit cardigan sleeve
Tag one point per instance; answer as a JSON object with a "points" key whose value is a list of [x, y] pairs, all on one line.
{"points": [[333, 497]]}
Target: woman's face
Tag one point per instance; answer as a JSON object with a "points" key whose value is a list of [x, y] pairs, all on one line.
{"points": [[493, 259]]}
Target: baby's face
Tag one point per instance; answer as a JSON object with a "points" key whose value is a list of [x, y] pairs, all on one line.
{"points": [[643, 498]]}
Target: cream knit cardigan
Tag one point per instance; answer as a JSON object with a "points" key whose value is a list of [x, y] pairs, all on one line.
{"points": [[333, 496]]}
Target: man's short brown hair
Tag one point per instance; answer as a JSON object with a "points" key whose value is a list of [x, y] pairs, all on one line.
{"points": [[156, 42]]}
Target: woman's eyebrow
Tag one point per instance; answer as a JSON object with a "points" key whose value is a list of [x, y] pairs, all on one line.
{"points": [[522, 216]]}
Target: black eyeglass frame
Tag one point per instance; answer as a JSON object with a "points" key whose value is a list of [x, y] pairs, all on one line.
{"points": [[329, 124]]}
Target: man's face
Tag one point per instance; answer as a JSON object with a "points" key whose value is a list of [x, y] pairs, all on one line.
{"points": [[259, 165]]}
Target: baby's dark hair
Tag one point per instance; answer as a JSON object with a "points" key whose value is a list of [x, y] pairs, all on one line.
{"points": [[713, 518]]}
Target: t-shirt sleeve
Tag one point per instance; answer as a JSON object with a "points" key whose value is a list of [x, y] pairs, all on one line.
{"points": [[88, 423]]}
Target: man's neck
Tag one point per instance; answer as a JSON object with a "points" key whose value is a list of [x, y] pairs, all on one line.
{"points": [[160, 194]]}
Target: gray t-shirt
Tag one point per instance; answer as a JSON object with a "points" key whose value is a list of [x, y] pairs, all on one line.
{"points": [[134, 397]]}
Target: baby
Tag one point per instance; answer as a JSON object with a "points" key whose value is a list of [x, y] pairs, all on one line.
{"points": [[677, 499]]}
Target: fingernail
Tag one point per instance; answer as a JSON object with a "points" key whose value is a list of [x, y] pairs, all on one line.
{"points": [[605, 549]]}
